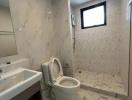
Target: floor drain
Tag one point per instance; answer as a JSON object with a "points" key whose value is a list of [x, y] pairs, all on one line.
{"points": [[80, 72], [84, 98]]}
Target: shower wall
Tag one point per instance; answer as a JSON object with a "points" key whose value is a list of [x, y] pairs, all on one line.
{"points": [[99, 48], [124, 43]]}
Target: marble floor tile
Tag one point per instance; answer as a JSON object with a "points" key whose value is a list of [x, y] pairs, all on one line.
{"points": [[89, 95], [103, 81]]}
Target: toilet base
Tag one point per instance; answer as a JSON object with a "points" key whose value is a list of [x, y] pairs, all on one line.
{"points": [[61, 95]]}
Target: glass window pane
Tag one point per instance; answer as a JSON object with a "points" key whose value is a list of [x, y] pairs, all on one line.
{"points": [[94, 16]]}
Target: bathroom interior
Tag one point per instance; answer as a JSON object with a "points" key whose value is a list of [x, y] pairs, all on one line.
{"points": [[66, 50]]}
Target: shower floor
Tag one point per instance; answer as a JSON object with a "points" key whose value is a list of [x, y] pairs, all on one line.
{"points": [[101, 81], [90, 95], [85, 94]]}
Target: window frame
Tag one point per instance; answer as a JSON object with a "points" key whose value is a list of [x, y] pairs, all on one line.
{"points": [[91, 7]]}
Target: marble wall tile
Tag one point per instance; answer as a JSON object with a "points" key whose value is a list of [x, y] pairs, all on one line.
{"points": [[98, 48], [124, 43], [33, 28], [62, 29], [105, 48], [42, 31]]}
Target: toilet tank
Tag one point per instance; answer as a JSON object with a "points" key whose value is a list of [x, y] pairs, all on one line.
{"points": [[45, 72]]}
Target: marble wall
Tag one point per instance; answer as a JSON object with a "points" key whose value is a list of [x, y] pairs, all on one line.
{"points": [[98, 49], [105, 48], [126, 30], [124, 43], [34, 30], [42, 31], [63, 34]]}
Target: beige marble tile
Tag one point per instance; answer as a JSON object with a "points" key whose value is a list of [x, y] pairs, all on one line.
{"points": [[99, 48], [89, 95], [103, 81], [42, 29], [105, 48]]}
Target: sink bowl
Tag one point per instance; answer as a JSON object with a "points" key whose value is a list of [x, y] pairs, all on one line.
{"points": [[15, 79], [14, 83]]}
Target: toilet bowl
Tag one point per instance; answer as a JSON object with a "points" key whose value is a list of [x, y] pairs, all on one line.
{"points": [[64, 88]]}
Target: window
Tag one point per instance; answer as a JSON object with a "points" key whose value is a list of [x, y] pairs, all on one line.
{"points": [[93, 16]]}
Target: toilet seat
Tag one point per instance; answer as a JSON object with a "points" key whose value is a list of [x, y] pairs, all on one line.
{"points": [[57, 78], [67, 82], [55, 69]]}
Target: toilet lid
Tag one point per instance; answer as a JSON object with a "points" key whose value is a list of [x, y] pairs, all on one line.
{"points": [[55, 69]]}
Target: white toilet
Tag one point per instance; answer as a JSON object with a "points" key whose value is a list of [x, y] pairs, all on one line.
{"points": [[64, 88]]}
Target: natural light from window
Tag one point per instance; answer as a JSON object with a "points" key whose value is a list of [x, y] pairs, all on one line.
{"points": [[93, 17]]}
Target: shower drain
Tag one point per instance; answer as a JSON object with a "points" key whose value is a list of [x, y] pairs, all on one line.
{"points": [[80, 72], [84, 98]]}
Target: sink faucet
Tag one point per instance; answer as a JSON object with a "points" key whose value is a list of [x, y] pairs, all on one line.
{"points": [[1, 73]]}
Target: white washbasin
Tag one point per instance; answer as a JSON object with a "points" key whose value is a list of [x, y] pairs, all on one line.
{"points": [[14, 83]]}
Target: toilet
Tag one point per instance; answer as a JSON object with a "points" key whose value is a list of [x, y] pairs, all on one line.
{"points": [[63, 87]]}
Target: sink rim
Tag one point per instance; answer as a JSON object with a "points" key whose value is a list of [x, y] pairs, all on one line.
{"points": [[28, 82], [18, 72], [15, 72]]}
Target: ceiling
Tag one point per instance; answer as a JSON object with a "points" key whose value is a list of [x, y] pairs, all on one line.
{"points": [[78, 2], [4, 3]]}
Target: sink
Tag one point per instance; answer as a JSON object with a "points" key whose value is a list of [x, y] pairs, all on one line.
{"points": [[14, 83], [15, 79]]}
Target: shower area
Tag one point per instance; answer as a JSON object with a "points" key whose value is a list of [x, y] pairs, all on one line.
{"points": [[101, 55]]}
